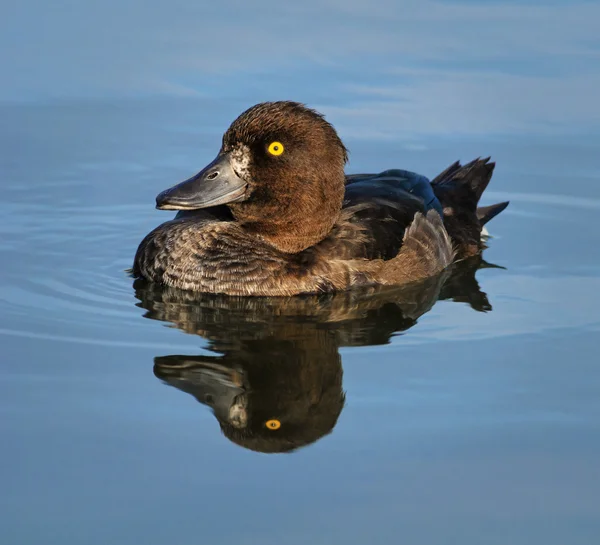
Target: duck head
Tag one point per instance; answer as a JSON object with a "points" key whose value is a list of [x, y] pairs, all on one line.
{"points": [[280, 170]]}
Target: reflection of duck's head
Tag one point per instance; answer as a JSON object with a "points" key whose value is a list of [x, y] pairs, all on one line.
{"points": [[270, 395]]}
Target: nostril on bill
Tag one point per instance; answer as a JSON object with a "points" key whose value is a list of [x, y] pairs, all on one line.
{"points": [[212, 175]]}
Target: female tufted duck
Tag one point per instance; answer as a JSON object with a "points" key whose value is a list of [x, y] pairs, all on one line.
{"points": [[274, 214]]}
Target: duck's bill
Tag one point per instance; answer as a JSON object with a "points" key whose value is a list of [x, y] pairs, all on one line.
{"points": [[218, 386], [214, 185]]}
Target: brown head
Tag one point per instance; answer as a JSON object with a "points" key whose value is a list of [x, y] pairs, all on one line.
{"points": [[281, 172]]}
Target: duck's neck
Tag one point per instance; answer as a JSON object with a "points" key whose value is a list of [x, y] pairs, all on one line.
{"points": [[292, 223]]}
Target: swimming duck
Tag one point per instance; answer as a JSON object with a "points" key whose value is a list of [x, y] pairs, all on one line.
{"points": [[274, 214]]}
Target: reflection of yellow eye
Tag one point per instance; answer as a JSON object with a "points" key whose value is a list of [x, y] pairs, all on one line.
{"points": [[275, 148], [273, 424]]}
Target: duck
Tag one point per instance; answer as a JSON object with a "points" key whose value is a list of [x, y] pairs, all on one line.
{"points": [[275, 214]]}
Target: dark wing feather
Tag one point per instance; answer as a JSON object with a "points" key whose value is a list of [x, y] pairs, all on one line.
{"points": [[385, 205]]}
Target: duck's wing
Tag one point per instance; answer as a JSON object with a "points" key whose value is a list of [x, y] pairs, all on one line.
{"points": [[384, 206]]}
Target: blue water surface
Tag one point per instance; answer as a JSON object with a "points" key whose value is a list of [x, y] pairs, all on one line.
{"points": [[466, 411]]}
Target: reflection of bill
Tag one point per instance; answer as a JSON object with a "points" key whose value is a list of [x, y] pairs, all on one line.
{"points": [[277, 384]]}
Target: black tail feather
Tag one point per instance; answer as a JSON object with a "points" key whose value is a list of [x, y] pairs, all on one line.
{"points": [[476, 175], [459, 189], [446, 174], [486, 213]]}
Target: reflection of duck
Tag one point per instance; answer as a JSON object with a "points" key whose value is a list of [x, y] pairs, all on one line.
{"points": [[278, 384], [279, 216], [272, 394]]}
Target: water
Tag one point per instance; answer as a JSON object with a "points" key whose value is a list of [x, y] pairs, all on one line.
{"points": [[464, 410]]}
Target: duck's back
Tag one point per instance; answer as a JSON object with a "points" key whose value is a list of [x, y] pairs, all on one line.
{"points": [[397, 183]]}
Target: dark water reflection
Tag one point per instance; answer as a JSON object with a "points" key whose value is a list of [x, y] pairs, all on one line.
{"points": [[276, 384]]}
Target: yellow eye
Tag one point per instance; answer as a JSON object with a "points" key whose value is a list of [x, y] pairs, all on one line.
{"points": [[272, 424], [275, 148]]}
